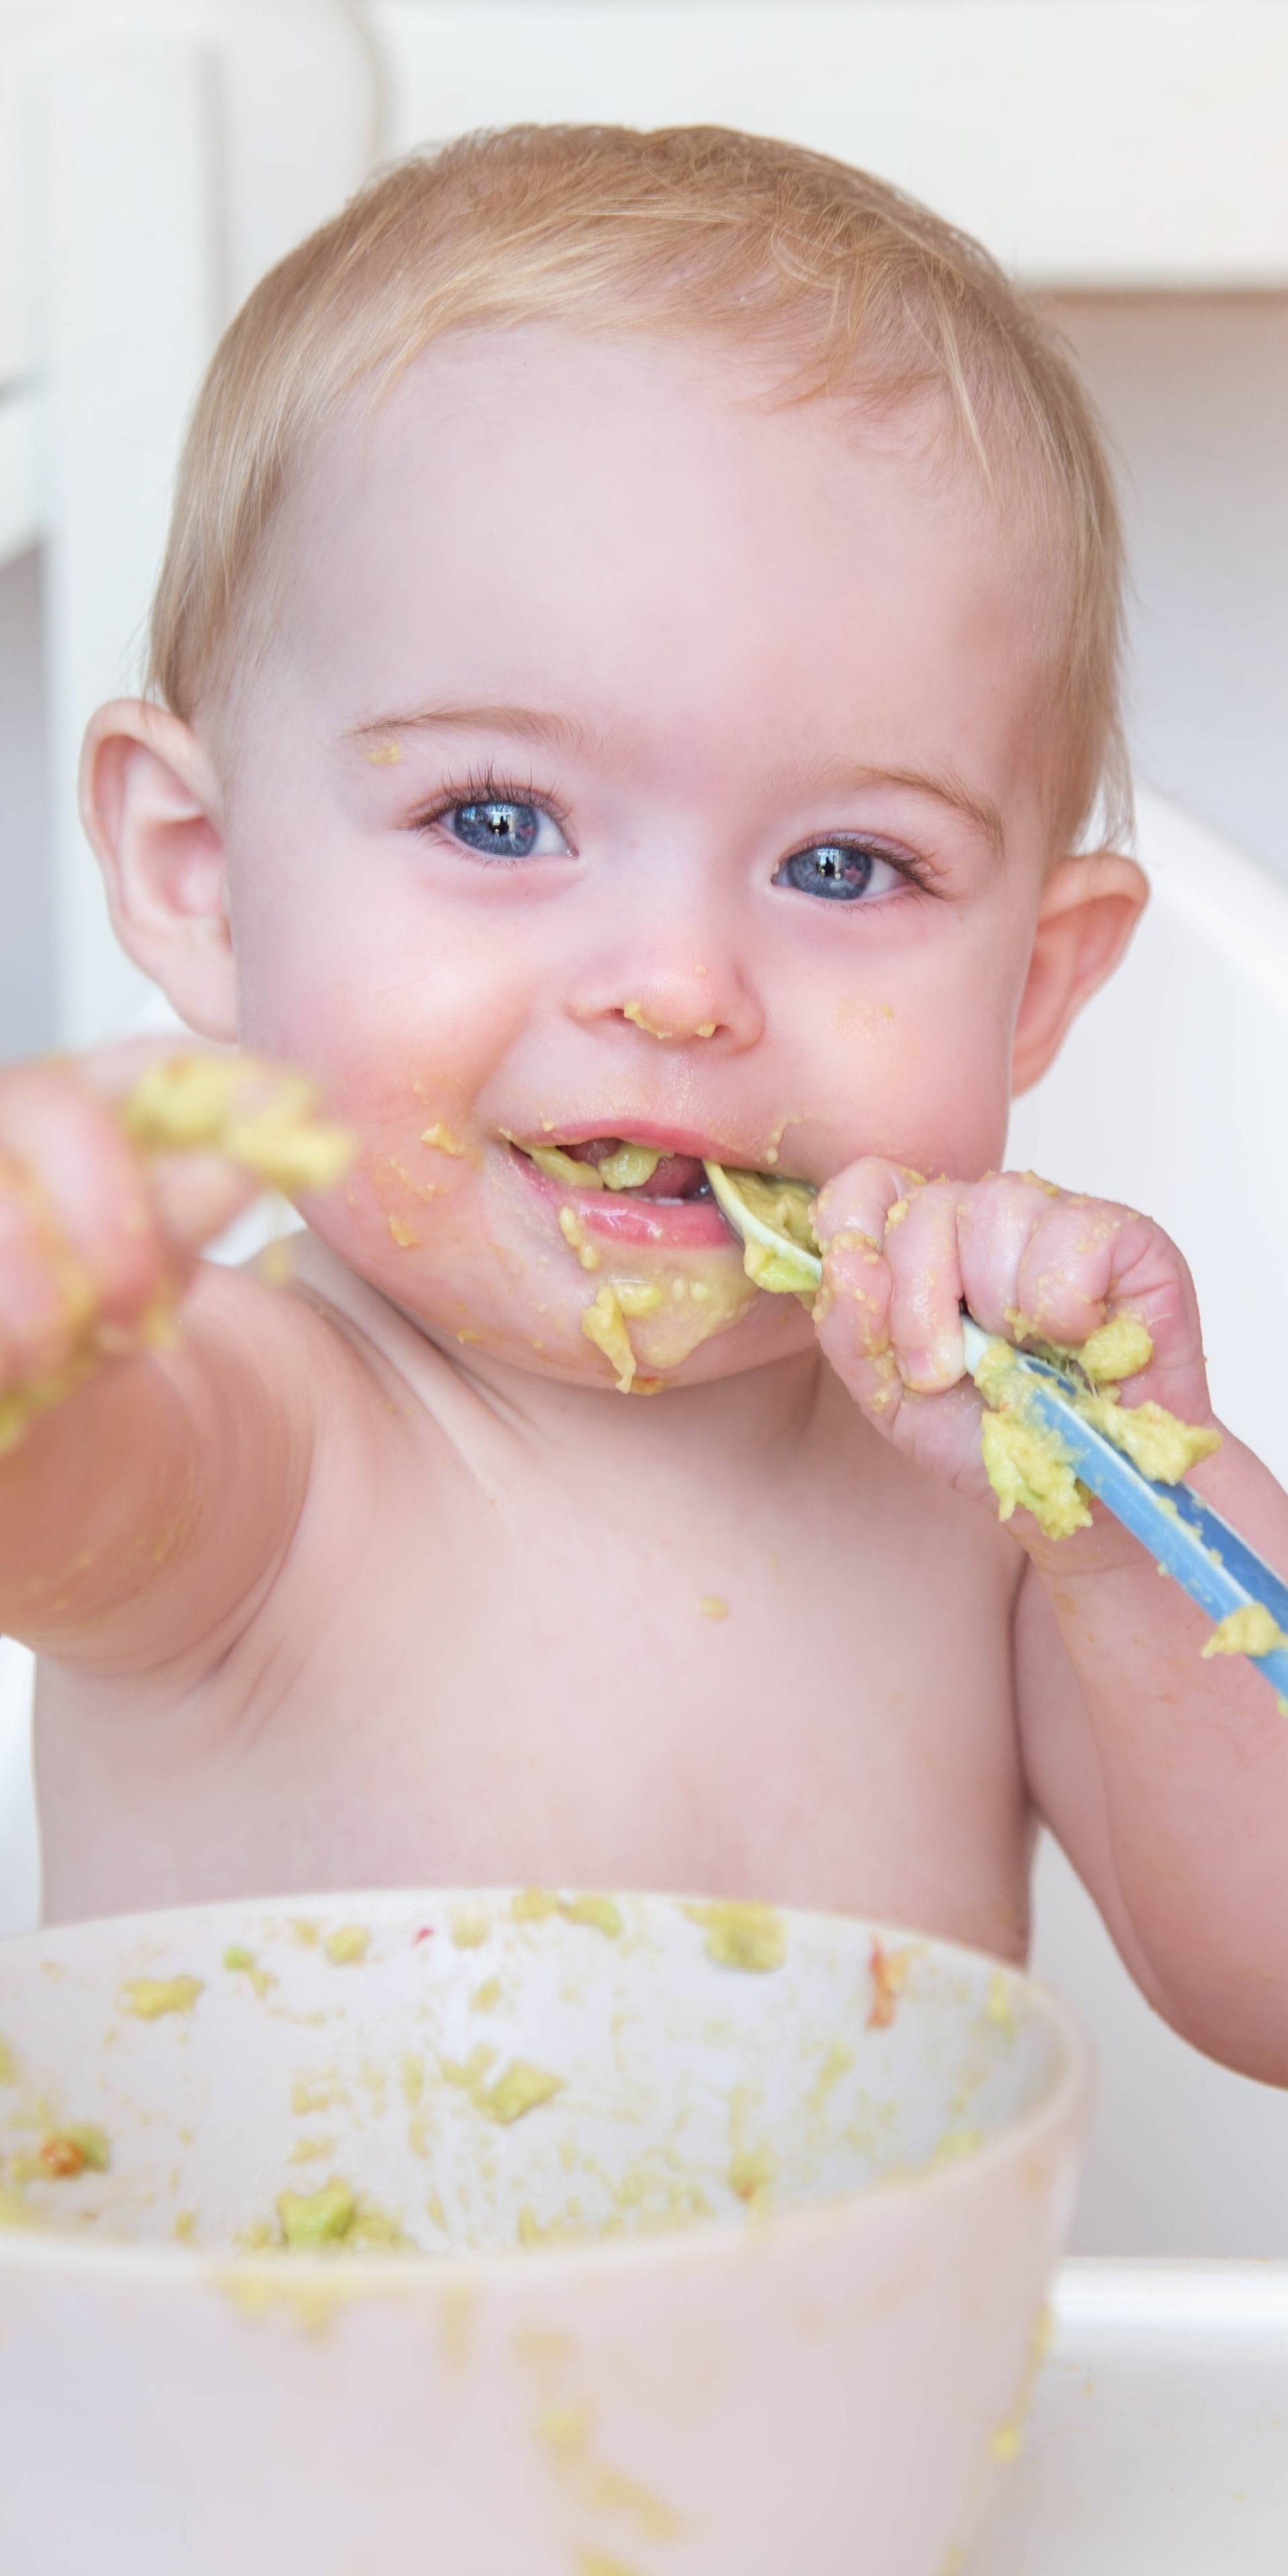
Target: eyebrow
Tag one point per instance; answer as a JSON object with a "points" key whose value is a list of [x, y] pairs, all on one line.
{"points": [[943, 783], [529, 724], [565, 733]]}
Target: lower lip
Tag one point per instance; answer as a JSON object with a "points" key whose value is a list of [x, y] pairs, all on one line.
{"points": [[669, 1224]]}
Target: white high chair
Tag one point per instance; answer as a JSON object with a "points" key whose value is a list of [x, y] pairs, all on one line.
{"points": [[156, 155]]}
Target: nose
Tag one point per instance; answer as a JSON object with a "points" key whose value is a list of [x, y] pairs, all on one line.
{"points": [[687, 989]]}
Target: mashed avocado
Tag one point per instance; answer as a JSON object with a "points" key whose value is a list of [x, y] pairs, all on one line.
{"points": [[149, 1997], [242, 1962], [192, 1103], [604, 1324], [322, 2217], [1027, 1464], [624, 1169], [773, 1217], [1155, 1441], [742, 1936], [521, 2089], [1118, 1349], [1250, 1631], [600, 1912]]}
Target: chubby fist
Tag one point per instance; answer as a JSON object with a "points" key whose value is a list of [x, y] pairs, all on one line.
{"points": [[116, 1167], [901, 1255]]}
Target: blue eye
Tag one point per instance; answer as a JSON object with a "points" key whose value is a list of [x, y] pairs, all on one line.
{"points": [[839, 871], [501, 822], [505, 830]]}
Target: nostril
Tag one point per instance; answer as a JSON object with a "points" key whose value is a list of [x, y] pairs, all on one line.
{"points": [[639, 1016]]}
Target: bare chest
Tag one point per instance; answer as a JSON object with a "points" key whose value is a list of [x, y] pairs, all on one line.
{"points": [[764, 1688]]}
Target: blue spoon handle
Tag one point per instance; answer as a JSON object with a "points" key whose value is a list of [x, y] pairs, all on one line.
{"points": [[1187, 1539]]}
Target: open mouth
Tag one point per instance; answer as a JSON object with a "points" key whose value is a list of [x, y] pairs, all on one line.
{"points": [[627, 1191], [616, 1163]]}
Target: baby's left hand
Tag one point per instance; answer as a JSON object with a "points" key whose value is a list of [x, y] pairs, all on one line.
{"points": [[901, 1255]]}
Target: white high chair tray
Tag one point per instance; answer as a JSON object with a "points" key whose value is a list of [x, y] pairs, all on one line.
{"points": [[1158, 2439]]}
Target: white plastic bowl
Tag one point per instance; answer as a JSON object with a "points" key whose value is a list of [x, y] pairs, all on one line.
{"points": [[757, 2291]]}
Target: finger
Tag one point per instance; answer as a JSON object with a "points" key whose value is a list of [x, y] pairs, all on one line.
{"points": [[921, 1250], [853, 1311], [1067, 1270], [999, 1218], [197, 1195], [860, 1198], [44, 1302], [112, 1071], [85, 1197]]}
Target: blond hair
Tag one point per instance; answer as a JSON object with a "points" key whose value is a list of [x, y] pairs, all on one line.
{"points": [[690, 230]]}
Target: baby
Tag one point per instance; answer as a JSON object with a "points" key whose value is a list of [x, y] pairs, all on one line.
{"points": [[635, 668]]}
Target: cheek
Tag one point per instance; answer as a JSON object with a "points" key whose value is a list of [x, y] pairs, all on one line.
{"points": [[401, 1015], [920, 1053]]}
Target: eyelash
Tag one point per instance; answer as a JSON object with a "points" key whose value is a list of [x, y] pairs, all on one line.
{"points": [[483, 787]]}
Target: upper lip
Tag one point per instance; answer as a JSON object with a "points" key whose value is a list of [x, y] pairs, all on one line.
{"points": [[635, 1131]]}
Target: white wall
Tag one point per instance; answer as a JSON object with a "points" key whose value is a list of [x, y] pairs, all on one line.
{"points": [[26, 964], [1193, 390]]}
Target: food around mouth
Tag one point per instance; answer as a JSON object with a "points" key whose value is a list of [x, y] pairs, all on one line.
{"points": [[625, 1167]]}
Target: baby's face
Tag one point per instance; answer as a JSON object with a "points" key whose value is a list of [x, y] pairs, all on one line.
{"points": [[635, 762]]}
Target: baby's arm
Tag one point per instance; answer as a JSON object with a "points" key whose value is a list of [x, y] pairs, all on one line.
{"points": [[1164, 1775], [150, 1477]]}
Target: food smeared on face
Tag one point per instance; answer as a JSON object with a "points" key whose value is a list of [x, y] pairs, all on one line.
{"points": [[669, 1276]]}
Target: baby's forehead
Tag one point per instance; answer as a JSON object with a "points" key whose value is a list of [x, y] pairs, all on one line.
{"points": [[651, 527], [540, 427]]}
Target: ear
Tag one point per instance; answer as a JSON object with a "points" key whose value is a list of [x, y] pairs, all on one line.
{"points": [[150, 803], [1089, 909]]}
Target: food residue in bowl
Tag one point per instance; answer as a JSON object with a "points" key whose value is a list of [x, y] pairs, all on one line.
{"points": [[335, 2216], [542, 1905], [148, 1998], [746, 1936], [242, 1962], [82, 2146], [521, 2089]]}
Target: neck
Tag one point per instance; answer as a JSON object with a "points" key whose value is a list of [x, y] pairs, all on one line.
{"points": [[755, 1419]]}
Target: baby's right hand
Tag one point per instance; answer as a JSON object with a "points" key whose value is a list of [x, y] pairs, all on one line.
{"points": [[99, 1236]]}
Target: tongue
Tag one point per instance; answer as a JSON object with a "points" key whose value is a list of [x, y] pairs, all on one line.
{"points": [[678, 1176]]}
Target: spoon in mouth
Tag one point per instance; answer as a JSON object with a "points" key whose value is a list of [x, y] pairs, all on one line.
{"points": [[772, 1221]]}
